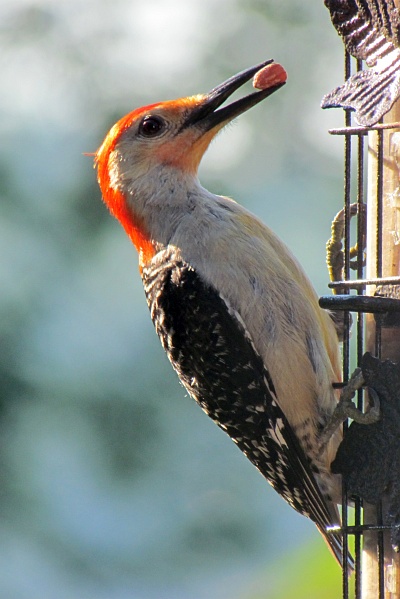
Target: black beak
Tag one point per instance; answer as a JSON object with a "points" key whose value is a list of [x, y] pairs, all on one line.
{"points": [[206, 114]]}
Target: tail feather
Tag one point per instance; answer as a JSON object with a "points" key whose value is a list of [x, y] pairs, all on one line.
{"points": [[334, 541]]}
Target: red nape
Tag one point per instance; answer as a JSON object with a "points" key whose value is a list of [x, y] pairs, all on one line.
{"points": [[116, 200]]}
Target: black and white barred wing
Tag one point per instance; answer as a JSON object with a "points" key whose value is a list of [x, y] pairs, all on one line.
{"points": [[371, 31], [208, 346]]}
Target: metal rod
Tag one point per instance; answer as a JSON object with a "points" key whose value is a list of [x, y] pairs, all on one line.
{"points": [[361, 222], [358, 529], [363, 130], [360, 303], [353, 284], [346, 336]]}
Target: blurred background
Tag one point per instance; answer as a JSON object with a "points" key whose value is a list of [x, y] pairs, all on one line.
{"points": [[114, 484]]}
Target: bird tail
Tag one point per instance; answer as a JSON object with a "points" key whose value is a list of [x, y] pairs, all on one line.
{"points": [[333, 537]]}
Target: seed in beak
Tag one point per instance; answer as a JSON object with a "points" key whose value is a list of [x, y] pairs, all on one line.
{"points": [[270, 75]]}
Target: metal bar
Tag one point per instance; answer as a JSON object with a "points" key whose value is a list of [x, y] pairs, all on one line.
{"points": [[359, 529], [363, 130], [379, 231], [381, 553], [360, 303], [361, 233], [346, 317], [353, 284]]}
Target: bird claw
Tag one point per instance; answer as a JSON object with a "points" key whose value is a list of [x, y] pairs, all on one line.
{"points": [[347, 409]]}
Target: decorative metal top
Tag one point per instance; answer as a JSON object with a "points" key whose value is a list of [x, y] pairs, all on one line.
{"points": [[371, 31]]}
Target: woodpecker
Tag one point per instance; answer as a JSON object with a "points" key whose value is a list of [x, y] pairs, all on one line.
{"points": [[235, 313]]}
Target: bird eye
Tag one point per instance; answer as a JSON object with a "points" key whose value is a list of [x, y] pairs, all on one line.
{"points": [[151, 126]]}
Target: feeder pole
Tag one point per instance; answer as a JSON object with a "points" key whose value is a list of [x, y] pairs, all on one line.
{"points": [[381, 565]]}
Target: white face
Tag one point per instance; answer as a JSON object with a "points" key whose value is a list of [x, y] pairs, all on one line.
{"points": [[156, 138], [137, 148]]}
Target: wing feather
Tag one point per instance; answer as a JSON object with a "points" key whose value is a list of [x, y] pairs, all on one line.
{"points": [[212, 352]]}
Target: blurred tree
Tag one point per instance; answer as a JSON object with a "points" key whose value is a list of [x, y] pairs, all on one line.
{"points": [[113, 483]]}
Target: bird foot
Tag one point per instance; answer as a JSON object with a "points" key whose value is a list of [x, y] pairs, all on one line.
{"points": [[347, 409]]}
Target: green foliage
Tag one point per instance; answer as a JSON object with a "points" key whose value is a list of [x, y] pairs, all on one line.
{"points": [[309, 572]]}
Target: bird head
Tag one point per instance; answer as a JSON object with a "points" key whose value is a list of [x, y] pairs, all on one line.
{"points": [[173, 134]]}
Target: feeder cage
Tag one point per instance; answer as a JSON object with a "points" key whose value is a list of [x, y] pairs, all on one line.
{"points": [[366, 298]]}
